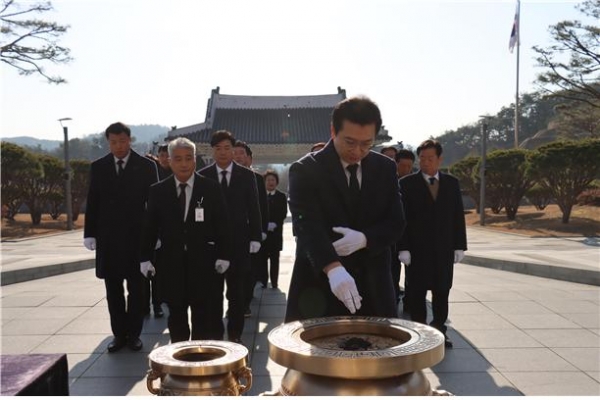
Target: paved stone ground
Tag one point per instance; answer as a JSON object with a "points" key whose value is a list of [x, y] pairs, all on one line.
{"points": [[514, 334]]}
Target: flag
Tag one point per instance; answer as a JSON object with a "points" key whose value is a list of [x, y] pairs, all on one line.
{"points": [[514, 34]]}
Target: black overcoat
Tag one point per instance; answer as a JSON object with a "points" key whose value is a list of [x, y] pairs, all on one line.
{"points": [[205, 241], [277, 214], [243, 208], [319, 199], [114, 212], [434, 229]]}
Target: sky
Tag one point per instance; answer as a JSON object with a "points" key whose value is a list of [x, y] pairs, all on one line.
{"points": [[431, 66]]}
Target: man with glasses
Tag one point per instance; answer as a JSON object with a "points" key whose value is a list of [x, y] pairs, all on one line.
{"points": [[347, 212]]}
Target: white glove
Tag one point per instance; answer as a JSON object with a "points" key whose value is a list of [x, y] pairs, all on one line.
{"points": [[147, 269], [404, 257], [221, 266], [458, 256], [263, 236], [271, 227], [254, 247], [351, 242], [158, 244], [89, 243], [343, 286]]}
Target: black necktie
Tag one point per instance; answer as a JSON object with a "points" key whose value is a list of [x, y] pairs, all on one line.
{"points": [[354, 192], [224, 180], [432, 181], [353, 184], [181, 198], [120, 167]]}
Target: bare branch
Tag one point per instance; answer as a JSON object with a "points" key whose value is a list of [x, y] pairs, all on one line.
{"points": [[29, 43]]}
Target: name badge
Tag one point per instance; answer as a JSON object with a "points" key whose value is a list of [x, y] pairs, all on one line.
{"points": [[199, 214]]}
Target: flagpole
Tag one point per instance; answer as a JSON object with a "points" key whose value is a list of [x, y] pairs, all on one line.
{"points": [[517, 90]]}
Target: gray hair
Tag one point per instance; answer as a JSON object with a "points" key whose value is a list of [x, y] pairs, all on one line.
{"points": [[180, 143]]}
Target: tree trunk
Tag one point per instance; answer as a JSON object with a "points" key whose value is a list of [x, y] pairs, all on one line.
{"points": [[511, 212], [566, 210], [36, 217]]}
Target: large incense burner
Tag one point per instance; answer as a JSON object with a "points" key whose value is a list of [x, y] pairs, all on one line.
{"points": [[199, 368], [355, 356]]}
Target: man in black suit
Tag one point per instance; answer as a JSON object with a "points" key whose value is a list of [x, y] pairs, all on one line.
{"points": [[346, 212], [117, 196], [241, 196], [277, 213], [435, 237], [150, 293], [242, 154], [162, 162], [187, 212], [404, 161]]}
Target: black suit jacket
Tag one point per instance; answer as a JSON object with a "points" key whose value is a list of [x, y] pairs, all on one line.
{"points": [[319, 199], [262, 201], [114, 212], [205, 241], [433, 231], [242, 206], [277, 214]]}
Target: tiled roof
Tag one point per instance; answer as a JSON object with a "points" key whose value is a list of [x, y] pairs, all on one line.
{"points": [[292, 125], [268, 119], [276, 102]]}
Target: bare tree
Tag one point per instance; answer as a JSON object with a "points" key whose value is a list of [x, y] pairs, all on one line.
{"points": [[572, 63], [28, 42]]}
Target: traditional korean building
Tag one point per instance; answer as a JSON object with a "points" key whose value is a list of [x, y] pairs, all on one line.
{"points": [[279, 129]]}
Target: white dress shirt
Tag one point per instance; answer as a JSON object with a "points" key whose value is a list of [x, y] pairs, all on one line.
{"points": [[188, 192], [125, 159], [228, 169], [358, 173]]}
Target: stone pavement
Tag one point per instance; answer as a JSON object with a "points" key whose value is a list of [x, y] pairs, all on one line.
{"points": [[514, 334]]}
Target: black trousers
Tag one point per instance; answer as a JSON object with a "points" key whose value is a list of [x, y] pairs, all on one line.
{"points": [[272, 257], [126, 314], [236, 278], [150, 295], [439, 306], [255, 274], [202, 328]]}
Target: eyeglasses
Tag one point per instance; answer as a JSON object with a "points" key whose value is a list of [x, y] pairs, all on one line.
{"points": [[353, 144]]}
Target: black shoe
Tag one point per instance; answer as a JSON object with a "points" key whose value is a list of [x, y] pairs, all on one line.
{"points": [[448, 343], [116, 344], [274, 286], [158, 312], [247, 313], [135, 344], [264, 285]]}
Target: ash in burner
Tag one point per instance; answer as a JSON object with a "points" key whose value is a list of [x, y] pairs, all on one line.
{"points": [[354, 344]]}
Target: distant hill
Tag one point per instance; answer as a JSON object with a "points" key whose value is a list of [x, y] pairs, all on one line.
{"points": [[143, 136], [47, 145]]}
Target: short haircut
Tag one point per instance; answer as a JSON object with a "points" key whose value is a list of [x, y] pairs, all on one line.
{"points": [[163, 148], [244, 145], [273, 174], [395, 150], [221, 135], [359, 110], [117, 128], [430, 144], [404, 154], [181, 143], [318, 146]]}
